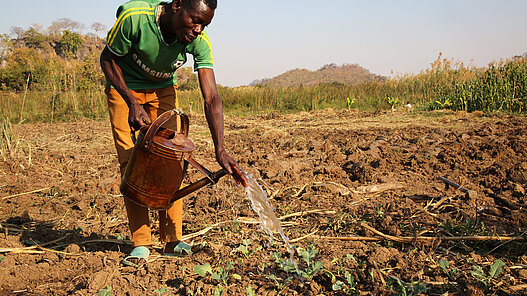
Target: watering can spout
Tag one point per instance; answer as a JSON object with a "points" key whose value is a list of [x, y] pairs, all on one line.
{"points": [[211, 178]]}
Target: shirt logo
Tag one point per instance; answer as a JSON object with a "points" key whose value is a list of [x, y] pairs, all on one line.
{"points": [[178, 64], [151, 72]]}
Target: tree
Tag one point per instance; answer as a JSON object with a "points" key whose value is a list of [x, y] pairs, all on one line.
{"points": [[70, 43], [97, 27], [186, 79], [34, 39], [64, 24], [21, 65], [17, 32], [6, 46], [37, 27]]}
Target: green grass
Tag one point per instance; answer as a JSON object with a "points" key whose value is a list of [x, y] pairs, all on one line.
{"points": [[500, 87]]}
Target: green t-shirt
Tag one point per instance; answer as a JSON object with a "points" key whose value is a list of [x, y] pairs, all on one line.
{"points": [[147, 60]]}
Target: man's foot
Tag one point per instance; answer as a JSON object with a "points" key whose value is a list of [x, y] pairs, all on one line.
{"points": [[138, 257], [182, 249]]}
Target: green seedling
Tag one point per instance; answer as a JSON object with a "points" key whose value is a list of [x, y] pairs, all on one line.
{"points": [[2, 258], [244, 248], [495, 269], [445, 267], [280, 286], [379, 211], [107, 291], [221, 274], [312, 268], [250, 291], [203, 269], [308, 256], [161, 291], [196, 293], [287, 264], [348, 287], [218, 291], [409, 289]]}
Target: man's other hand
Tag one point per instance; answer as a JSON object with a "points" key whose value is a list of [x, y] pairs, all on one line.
{"points": [[232, 167]]}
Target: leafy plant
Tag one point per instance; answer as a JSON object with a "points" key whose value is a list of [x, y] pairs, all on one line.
{"points": [[495, 269], [392, 101], [348, 287], [195, 293], [161, 291], [218, 291], [308, 255], [408, 289], [250, 291], [445, 267], [446, 103], [221, 274], [350, 101], [106, 291], [277, 281], [244, 248], [203, 269], [286, 264]]}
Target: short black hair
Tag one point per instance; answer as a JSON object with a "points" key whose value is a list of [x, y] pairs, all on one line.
{"points": [[212, 4]]}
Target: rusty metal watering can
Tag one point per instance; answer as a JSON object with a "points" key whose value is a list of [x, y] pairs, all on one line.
{"points": [[159, 162]]}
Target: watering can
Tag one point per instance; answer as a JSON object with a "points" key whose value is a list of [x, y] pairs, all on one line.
{"points": [[159, 162]]}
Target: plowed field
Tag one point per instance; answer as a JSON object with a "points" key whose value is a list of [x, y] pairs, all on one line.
{"points": [[360, 191]]}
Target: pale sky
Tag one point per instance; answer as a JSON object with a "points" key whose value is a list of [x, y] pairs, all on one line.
{"points": [[262, 39]]}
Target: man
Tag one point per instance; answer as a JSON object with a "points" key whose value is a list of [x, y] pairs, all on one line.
{"points": [[148, 42]]}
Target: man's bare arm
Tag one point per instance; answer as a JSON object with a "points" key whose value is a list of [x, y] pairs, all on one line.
{"points": [[137, 116]]}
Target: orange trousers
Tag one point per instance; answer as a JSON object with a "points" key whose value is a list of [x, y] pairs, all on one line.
{"points": [[155, 102]]}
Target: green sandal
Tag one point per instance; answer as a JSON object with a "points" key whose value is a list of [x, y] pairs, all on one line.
{"points": [[183, 249], [139, 253]]}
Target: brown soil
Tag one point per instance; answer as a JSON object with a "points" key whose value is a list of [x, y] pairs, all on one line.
{"points": [[69, 236]]}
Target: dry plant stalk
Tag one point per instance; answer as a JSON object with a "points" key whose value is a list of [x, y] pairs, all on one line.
{"points": [[24, 193]]}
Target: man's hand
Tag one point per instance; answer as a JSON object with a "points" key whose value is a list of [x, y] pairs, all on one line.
{"points": [[137, 117], [231, 167]]}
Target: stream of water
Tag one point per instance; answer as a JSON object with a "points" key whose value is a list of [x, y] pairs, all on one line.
{"points": [[269, 221]]}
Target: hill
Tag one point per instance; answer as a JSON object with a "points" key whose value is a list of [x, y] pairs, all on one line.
{"points": [[345, 73]]}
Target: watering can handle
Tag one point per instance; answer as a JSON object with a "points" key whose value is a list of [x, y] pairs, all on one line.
{"points": [[160, 120]]}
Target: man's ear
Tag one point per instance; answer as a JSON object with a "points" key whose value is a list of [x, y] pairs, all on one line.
{"points": [[176, 5]]}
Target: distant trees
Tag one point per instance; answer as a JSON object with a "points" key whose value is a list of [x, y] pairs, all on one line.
{"points": [[35, 39], [58, 58], [18, 32], [70, 42], [97, 27], [65, 24], [187, 80], [5, 45], [62, 37]]}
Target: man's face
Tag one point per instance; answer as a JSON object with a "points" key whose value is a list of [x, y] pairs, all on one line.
{"points": [[188, 23]]}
